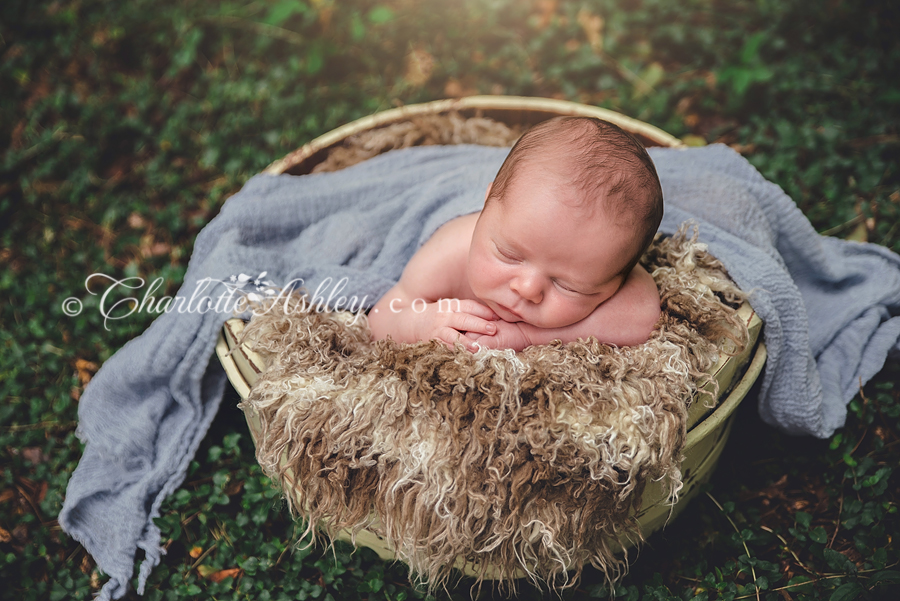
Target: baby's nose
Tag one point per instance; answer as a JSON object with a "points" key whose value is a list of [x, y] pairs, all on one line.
{"points": [[528, 287]]}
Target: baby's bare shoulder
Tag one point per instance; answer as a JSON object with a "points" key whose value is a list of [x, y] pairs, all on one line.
{"points": [[439, 265], [451, 241], [457, 232]]}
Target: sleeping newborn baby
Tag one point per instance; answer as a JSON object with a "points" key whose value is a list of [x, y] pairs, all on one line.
{"points": [[553, 254]]}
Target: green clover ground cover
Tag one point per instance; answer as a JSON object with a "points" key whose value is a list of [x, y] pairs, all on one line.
{"points": [[124, 126]]}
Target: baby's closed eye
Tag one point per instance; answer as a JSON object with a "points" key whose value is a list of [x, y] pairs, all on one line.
{"points": [[566, 287], [573, 288], [506, 255]]}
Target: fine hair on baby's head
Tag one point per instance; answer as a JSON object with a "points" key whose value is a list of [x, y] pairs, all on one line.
{"points": [[604, 163]]}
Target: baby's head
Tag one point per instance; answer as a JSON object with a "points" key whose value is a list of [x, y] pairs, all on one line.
{"points": [[572, 209]]}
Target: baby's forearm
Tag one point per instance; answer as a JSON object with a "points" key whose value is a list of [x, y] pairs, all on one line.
{"points": [[383, 324], [388, 317], [536, 335], [623, 333]]}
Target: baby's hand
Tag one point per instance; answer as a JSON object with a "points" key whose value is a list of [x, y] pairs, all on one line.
{"points": [[508, 335], [450, 321]]}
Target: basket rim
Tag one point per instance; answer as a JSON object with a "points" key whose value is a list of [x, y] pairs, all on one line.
{"points": [[551, 106], [727, 407]]}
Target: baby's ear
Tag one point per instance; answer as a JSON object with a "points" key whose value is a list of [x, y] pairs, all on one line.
{"points": [[488, 193]]}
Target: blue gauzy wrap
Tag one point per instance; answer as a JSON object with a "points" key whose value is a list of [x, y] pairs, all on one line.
{"points": [[830, 310]]}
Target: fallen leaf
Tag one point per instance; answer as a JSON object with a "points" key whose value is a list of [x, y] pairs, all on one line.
{"points": [[153, 248], [195, 552], [100, 36], [234, 488], [776, 489], [160, 248], [86, 370], [592, 25], [17, 135], [38, 93], [50, 187], [15, 51], [743, 148], [546, 8], [455, 89], [5, 536], [325, 10], [33, 455], [419, 66], [223, 574], [135, 221]]}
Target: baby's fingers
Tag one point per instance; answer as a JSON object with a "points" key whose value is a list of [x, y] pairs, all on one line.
{"points": [[451, 337], [465, 322], [477, 309]]}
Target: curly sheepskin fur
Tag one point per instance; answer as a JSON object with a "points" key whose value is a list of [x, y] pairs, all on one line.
{"points": [[529, 463]]}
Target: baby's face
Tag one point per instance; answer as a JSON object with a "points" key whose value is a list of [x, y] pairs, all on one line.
{"points": [[536, 259]]}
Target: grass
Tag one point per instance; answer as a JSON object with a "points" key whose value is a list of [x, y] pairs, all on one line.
{"points": [[124, 127]]}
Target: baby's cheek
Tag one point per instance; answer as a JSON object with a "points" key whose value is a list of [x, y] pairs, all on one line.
{"points": [[485, 280], [569, 312]]}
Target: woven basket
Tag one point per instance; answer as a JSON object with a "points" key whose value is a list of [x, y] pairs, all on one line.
{"points": [[708, 429]]}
